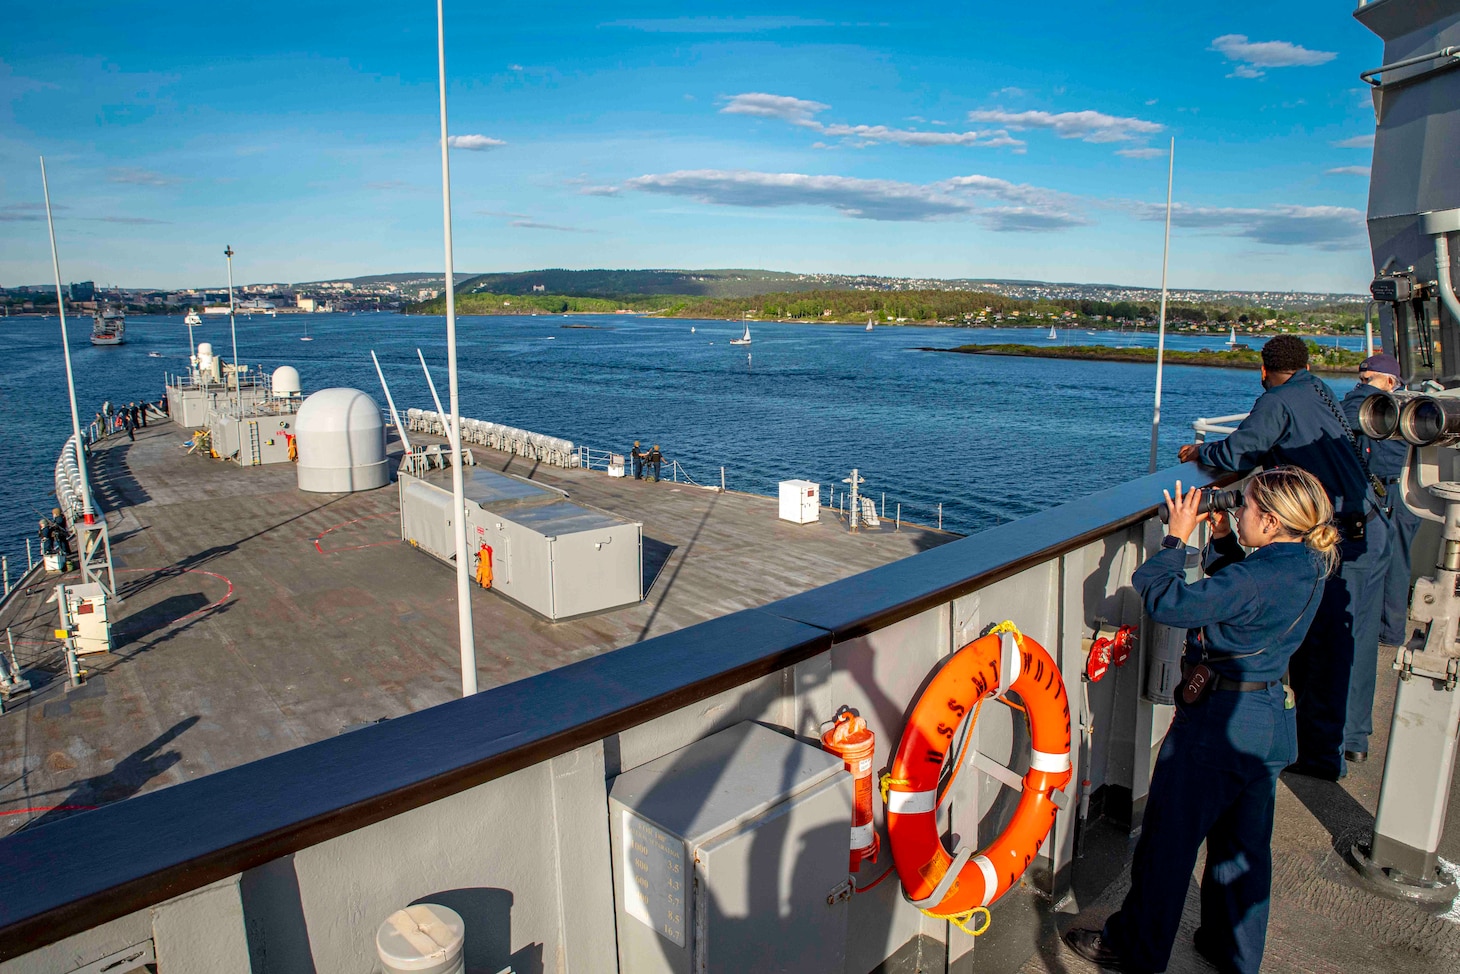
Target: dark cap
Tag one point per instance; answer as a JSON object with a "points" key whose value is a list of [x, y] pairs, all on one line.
{"points": [[1387, 364]]}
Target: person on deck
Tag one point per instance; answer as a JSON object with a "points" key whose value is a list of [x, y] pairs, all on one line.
{"points": [[637, 455], [1297, 421], [654, 459], [1380, 373], [1215, 779]]}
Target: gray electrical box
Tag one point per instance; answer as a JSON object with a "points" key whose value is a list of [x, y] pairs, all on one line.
{"points": [[730, 855]]}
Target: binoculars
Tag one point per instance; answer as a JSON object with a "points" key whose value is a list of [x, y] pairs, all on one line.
{"points": [[1211, 500], [1417, 418]]}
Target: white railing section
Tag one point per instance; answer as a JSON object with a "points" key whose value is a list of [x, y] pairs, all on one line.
{"points": [[1222, 425], [524, 443]]}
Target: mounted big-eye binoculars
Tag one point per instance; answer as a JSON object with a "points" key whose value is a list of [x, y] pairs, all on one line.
{"points": [[1416, 418]]}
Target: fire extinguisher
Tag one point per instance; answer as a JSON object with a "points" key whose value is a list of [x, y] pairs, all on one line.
{"points": [[853, 741]]}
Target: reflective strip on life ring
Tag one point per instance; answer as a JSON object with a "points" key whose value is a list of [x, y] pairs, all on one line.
{"points": [[917, 846]]}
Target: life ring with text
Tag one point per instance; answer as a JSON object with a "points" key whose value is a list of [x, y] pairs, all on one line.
{"points": [[992, 665]]}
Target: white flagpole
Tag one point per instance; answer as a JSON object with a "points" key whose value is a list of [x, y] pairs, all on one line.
{"points": [[458, 489], [88, 512], [1161, 334]]}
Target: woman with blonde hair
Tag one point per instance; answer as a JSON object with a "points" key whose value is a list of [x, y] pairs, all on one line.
{"points": [[1216, 776]]}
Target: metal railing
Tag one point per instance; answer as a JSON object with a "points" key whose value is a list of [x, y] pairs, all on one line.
{"points": [[1223, 425]]}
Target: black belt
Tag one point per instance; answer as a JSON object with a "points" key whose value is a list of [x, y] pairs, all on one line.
{"points": [[1236, 686], [1389, 481]]}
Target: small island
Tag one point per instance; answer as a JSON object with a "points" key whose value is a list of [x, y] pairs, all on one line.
{"points": [[1321, 358]]}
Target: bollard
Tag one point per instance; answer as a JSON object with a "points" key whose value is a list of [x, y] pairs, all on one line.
{"points": [[423, 939]]}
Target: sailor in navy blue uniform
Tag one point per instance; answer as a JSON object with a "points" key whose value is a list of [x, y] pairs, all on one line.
{"points": [[1297, 421], [1234, 731], [1380, 373]]}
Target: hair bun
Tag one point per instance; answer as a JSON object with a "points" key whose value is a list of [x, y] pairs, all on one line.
{"points": [[1322, 537]]}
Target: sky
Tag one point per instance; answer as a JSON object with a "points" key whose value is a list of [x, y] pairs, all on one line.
{"points": [[919, 139]]}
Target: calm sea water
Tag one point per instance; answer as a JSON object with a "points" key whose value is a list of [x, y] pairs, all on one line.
{"points": [[992, 439]]}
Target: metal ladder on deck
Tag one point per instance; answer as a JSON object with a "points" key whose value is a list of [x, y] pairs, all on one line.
{"points": [[254, 449]]}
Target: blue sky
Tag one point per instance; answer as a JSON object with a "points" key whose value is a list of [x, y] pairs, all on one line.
{"points": [[918, 139]]}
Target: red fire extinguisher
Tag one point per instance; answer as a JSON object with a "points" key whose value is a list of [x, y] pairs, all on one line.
{"points": [[851, 740]]}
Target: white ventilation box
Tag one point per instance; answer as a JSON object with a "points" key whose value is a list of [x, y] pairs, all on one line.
{"points": [[800, 501]]}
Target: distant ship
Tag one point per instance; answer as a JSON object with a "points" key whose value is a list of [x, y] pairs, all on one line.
{"points": [[743, 339], [192, 319], [108, 327]]}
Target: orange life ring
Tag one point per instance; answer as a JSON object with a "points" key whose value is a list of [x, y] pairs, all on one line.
{"points": [[980, 669]]}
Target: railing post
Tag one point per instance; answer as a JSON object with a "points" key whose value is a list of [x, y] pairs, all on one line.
{"points": [[899, 517], [29, 564], [884, 503], [722, 480], [940, 515], [5, 570]]}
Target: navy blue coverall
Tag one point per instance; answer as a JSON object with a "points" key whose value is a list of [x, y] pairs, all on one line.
{"points": [[1216, 774], [1334, 670], [1386, 461]]}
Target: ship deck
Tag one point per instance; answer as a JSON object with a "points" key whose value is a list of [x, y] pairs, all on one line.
{"points": [[257, 618]]}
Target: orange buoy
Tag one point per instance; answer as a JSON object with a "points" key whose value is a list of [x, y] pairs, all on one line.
{"points": [[851, 740], [992, 665]]}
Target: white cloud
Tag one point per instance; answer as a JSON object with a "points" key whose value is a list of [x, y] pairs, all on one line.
{"points": [[797, 111], [1145, 153], [1252, 56], [801, 112], [533, 225], [141, 177], [1356, 142], [1011, 92], [473, 143], [1322, 227], [1348, 171], [1087, 126], [1028, 208], [515, 67]]}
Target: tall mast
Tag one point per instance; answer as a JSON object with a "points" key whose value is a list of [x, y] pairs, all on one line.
{"points": [[88, 512], [1161, 333], [458, 489]]}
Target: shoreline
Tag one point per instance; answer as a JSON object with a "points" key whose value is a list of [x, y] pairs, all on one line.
{"points": [[1250, 360]]}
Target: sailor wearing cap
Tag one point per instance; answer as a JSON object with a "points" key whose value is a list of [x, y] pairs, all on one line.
{"points": [[1380, 373], [1298, 421]]}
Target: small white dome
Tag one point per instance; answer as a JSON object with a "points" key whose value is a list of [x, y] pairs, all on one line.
{"points": [[205, 348], [286, 381]]}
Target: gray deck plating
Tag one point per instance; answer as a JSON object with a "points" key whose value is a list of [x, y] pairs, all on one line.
{"points": [[258, 618]]}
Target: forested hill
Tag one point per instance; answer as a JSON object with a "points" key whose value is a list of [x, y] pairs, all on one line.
{"points": [[623, 283]]}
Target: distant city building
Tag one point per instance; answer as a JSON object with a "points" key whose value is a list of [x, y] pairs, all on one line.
{"points": [[303, 303], [539, 287], [85, 291]]}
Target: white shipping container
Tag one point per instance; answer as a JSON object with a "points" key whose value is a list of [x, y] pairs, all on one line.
{"points": [[800, 501]]}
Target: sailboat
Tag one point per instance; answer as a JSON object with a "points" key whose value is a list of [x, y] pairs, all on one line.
{"points": [[691, 329], [306, 337], [1232, 340], [1052, 335], [869, 324], [743, 339]]}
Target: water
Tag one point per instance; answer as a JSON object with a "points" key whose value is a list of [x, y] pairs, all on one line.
{"points": [[990, 438]]}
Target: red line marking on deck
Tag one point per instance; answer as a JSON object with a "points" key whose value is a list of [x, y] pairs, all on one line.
{"points": [[345, 524], [200, 571], [49, 808]]}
